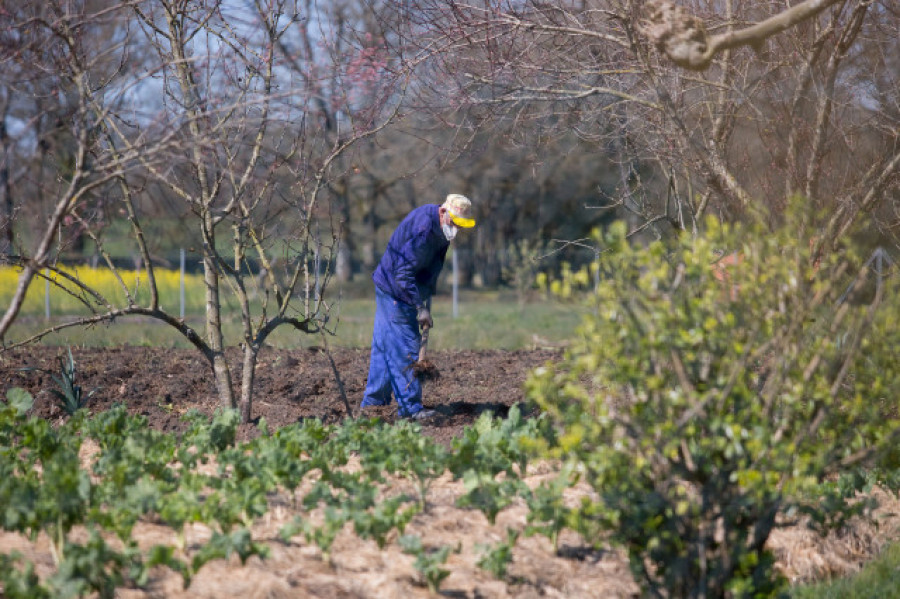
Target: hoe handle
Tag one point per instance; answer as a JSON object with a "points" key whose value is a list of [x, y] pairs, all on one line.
{"points": [[423, 346]]}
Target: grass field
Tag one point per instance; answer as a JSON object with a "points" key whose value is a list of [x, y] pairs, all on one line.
{"points": [[488, 319]]}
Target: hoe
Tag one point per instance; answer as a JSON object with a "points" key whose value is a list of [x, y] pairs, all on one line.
{"points": [[424, 368]]}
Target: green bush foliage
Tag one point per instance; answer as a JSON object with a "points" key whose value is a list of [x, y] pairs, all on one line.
{"points": [[707, 405]]}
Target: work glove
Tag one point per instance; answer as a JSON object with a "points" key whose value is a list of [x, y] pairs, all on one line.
{"points": [[423, 317]]}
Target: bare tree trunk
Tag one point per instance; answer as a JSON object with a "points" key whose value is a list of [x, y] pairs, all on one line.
{"points": [[214, 336], [6, 203], [194, 110], [251, 353]]}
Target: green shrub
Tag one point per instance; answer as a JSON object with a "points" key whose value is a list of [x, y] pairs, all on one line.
{"points": [[708, 405]]}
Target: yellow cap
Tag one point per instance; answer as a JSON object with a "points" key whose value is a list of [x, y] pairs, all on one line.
{"points": [[460, 209]]}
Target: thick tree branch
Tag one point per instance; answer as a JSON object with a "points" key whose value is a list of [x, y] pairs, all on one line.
{"points": [[683, 37]]}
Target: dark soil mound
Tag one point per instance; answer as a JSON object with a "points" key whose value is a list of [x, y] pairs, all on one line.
{"points": [[291, 385]]}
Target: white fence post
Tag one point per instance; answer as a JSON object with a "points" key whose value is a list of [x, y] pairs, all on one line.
{"points": [[455, 285], [181, 285], [47, 294]]}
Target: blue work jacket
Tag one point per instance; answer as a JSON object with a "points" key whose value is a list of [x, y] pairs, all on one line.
{"points": [[414, 257]]}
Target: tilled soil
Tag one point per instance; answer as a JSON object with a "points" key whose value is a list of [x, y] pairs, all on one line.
{"points": [[291, 385]]}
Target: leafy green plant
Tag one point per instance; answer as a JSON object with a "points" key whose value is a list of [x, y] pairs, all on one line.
{"points": [[403, 450], [44, 488], [496, 559], [705, 410], [429, 563], [241, 488], [70, 394], [20, 583], [285, 450], [140, 474], [223, 545], [324, 535], [491, 458], [91, 568], [351, 497], [20, 400], [494, 445], [488, 493], [387, 516], [547, 512]]}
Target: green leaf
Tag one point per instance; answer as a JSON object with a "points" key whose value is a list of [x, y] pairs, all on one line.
{"points": [[20, 399]]}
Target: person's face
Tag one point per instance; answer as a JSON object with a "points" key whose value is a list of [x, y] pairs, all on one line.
{"points": [[447, 225], [445, 216]]}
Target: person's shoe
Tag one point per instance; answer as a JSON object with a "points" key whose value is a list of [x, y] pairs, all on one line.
{"points": [[424, 415]]}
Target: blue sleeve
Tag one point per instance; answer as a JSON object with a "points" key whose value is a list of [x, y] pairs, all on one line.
{"points": [[437, 264], [415, 255], [410, 266]]}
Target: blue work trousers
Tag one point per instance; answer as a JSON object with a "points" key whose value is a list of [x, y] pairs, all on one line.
{"points": [[395, 347]]}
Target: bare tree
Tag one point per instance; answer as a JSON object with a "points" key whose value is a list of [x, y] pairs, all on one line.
{"points": [[217, 117], [791, 108], [343, 58], [51, 51]]}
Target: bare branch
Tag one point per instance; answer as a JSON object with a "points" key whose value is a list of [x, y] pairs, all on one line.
{"points": [[684, 39]]}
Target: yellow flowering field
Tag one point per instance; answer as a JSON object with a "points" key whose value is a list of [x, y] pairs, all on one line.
{"points": [[104, 281]]}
